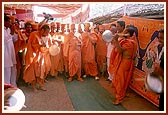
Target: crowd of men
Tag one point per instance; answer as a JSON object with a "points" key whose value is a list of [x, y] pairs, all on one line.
{"points": [[83, 53]]}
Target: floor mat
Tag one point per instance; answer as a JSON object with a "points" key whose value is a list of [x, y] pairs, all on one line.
{"points": [[90, 96], [54, 99]]}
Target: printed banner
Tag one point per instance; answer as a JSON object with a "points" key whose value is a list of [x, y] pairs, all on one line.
{"points": [[147, 55]]}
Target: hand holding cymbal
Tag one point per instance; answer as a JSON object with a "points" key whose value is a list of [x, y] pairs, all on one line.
{"points": [[115, 37]]}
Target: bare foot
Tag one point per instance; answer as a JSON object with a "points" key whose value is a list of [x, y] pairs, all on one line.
{"points": [[127, 94], [80, 79], [70, 79], [55, 77], [35, 90], [46, 81], [42, 88], [116, 102]]}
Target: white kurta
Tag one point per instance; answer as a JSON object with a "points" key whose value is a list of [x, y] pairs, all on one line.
{"points": [[9, 58]]}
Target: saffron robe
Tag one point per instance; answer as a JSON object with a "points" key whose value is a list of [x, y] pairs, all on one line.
{"points": [[88, 53], [121, 68], [37, 59], [74, 55], [101, 52]]}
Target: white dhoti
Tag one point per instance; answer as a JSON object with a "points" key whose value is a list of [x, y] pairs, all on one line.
{"points": [[110, 77], [9, 58], [10, 75]]}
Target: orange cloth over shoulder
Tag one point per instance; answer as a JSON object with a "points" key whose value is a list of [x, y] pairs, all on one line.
{"points": [[74, 56], [31, 58], [88, 53], [122, 68], [101, 50]]}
